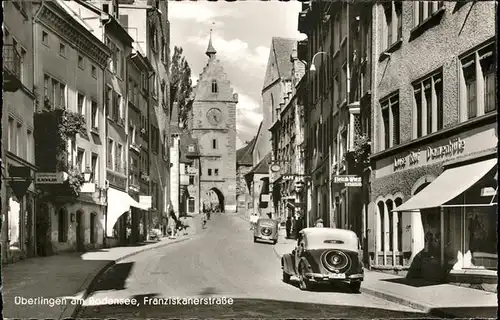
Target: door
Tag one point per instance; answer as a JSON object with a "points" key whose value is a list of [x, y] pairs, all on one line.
{"points": [[79, 232]]}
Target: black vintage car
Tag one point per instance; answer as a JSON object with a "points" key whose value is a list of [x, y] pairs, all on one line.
{"points": [[325, 255]]}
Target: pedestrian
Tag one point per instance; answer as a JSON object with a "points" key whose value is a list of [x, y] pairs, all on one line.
{"points": [[288, 226], [253, 220], [172, 225], [319, 223]]}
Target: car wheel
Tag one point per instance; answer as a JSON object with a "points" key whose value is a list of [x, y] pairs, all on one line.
{"points": [[275, 241], [303, 282], [254, 239], [355, 287], [286, 277]]}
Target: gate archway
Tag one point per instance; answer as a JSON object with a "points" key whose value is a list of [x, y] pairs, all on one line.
{"points": [[215, 199]]}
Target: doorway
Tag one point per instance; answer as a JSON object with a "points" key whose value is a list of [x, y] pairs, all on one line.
{"points": [[80, 246]]}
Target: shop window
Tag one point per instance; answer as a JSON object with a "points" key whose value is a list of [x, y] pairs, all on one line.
{"points": [[62, 226], [390, 231], [191, 205]]}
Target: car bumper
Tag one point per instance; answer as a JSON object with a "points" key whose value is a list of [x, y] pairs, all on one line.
{"points": [[323, 278], [269, 238]]}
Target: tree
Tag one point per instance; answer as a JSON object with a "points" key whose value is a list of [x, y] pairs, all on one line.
{"points": [[180, 85]]}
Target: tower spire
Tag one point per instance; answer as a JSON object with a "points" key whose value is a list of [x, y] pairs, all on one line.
{"points": [[210, 50]]}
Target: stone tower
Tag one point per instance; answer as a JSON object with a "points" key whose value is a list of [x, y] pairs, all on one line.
{"points": [[214, 126]]}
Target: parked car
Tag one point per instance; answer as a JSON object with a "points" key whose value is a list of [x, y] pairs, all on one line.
{"points": [[266, 229], [325, 255]]}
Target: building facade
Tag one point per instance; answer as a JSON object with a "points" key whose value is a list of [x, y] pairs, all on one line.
{"points": [[18, 232], [147, 22], [244, 164], [189, 175], [337, 47], [214, 127], [277, 84], [434, 135], [287, 138], [69, 129]]}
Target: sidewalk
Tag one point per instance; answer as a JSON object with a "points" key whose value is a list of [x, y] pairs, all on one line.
{"points": [[438, 299], [444, 300], [63, 276]]}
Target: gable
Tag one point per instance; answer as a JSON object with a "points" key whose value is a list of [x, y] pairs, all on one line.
{"points": [[272, 69], [214, 71]]}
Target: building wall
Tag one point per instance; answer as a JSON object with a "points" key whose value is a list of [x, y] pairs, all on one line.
{"points": [[80, 68], [18, 108], [175, 173], [223, 157], [242, 192], [400, 171], [456, 33]]}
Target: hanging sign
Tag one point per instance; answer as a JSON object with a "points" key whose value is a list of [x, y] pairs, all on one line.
{"points": [[348, 180]]}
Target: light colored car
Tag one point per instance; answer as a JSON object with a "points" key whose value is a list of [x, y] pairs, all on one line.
{"points": [[325, 255], [266, 229]]}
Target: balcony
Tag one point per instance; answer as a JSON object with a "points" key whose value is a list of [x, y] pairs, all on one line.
{"points": [[11, 68]]}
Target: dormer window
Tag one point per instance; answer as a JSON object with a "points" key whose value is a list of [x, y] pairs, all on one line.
{"points": [[214, 86]]}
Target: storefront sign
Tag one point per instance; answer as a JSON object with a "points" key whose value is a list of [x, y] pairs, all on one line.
{"points": [[470, 142], [287, 177], [413, 158], [450, 149], [50, 177], [348, 180]]}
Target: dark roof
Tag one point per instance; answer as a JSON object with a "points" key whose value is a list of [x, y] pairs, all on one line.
{"points": [[283, 48], [210, 49], [187, 141], [244, 155], [262, 167]]}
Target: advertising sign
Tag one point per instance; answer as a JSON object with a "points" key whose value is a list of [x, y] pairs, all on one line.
{"points": [[348, 180], [50, 177], [145, 200]]}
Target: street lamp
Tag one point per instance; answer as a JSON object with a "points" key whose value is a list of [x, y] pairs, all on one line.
{"points": [[87, 174], [313, 67]]}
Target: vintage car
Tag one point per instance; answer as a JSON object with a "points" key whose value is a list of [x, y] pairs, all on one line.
{"points": [[325, 255], [266, 229]]}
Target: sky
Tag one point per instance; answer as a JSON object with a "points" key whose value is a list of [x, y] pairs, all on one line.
{"points": [[242, 33]]}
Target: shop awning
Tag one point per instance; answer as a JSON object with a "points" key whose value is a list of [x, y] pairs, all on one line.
{"points": [[451, 183], [119, 202]]}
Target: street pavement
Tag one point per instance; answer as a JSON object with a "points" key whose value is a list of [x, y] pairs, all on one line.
{"points": [[63, 276], [222, 262]]}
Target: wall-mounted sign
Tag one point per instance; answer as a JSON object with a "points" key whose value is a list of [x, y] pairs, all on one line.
{"points": [[453, 147], [145, 200], [50, 177], [287, 177], [348, 180], [413, 158], [275, 167]]}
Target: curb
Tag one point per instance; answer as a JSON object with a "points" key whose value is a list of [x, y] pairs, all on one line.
{"points": [[88, 285], [396, 299]]}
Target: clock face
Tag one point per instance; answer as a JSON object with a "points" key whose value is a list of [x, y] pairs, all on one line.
{"points": [[214, 116]]}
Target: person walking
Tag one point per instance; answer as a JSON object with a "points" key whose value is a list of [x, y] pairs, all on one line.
{"points": [[172, 225], [253, 220], [288, 226]]}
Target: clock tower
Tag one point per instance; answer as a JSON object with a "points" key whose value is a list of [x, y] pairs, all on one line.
{"points": [[213, 124]]}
